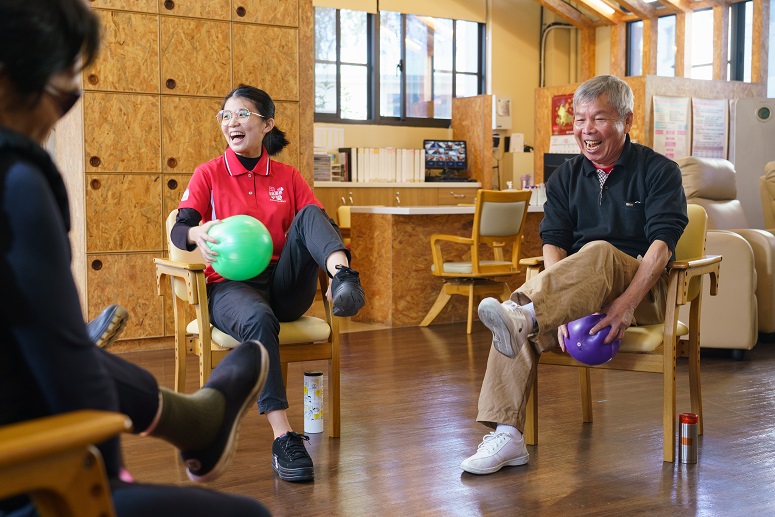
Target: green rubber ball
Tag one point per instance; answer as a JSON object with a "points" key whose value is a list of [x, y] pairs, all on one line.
{"points": [[244, 247]]}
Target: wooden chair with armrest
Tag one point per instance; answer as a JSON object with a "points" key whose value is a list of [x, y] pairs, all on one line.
{"points": [[53, 460], [652, 348], [306, 339], [499, 222]]}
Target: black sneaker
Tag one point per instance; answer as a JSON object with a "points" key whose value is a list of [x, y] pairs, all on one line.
{"points": [[347, 292], [290, 458], [240, 376], [105, 328]]}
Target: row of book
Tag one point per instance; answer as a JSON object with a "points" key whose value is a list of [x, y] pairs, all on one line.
{"points": [[368, 164]]}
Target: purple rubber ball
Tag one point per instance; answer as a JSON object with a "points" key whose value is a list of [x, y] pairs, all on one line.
{"points": [[590, 350]]}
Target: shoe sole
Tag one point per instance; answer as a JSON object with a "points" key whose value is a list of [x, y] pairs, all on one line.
{"points": [[351, 304], [299, 474], [516, 462], [116, 327], [231, 444], [490, 314]]}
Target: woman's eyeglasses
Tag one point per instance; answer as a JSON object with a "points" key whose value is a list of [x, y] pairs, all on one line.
{"points": [[224, 116]]}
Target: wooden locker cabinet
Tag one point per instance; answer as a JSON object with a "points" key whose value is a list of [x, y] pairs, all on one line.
{"points": [[456, 196], [414, 196], [190, 135], [270, 12], [195, 56], [147, 119], [121, 210], [274, 65], [121, 132], [129, 56]]}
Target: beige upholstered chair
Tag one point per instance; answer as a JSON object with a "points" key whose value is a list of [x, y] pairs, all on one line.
{"points": [[652, 348], [748, 291], [767, 188], [499, 221], [306, 339], [53, 461]]}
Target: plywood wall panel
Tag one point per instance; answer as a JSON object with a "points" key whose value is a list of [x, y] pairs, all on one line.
{"points": [[274, 66], [271, 12], [196, 57], [123, 210], [127, 279], [190, 135], [287, 119], [472, 122], [129, 56], [306, 88], [214, 9], [146, 6], [121, 132]]}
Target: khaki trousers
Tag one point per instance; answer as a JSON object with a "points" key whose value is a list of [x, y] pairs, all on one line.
{"points": [[574, 287]]}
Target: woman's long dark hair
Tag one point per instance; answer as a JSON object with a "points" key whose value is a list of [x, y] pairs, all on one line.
{"points": [[40, 38], [274, 140]]}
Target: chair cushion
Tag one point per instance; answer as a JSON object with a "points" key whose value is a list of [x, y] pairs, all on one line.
{"points": [[647, 338], [306, 329], [708, 178], [462, 268]]}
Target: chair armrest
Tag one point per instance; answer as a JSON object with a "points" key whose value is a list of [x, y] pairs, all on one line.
{"points": [[762, 243], [191, 274], [438, 258], [450, 238], [51, 435], [183, 266], [532, 262], [695, 267]]}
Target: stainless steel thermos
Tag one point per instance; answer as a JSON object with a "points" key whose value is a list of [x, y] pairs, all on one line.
{"points": [[688, 446]]}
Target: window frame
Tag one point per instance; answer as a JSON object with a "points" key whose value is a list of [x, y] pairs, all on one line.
{"points": [[373, 70]]}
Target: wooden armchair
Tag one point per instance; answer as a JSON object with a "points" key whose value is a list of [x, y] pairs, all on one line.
{"points": [[652, 348], [499, 222], [306, 339], [53, 460]]}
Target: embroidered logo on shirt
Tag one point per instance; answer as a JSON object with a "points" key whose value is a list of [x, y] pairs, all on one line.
{"points": [[276, 194]]}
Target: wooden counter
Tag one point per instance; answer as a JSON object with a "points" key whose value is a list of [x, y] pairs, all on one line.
{"points": [[391, 250]]}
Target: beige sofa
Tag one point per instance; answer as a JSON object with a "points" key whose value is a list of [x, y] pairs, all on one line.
{"points": [[744, 307], [767, 188]]}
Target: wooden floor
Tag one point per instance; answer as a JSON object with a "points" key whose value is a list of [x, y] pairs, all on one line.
{"points": [[408, 408]]}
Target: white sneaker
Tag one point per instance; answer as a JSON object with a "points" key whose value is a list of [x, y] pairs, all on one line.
{"points": [[497, 450], [509, 324]]}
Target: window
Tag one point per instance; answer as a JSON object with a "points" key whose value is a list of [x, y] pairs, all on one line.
{"points": [[394, 68], [740, 41], [702, 45], [666, 46], [634, 65]]}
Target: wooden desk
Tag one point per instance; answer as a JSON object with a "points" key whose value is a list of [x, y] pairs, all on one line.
{"points": [[391, 250]]}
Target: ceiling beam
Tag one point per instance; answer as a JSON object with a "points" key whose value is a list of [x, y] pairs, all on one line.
{"points": [[639, 7], [570, 14]]}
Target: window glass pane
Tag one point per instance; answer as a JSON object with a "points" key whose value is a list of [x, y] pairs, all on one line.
{"points": [[325, 88], [442, 95], [354, 47], [748, 46], [702, 44], [635, 48], [325, 34], [354, 101], [467, 47], [467, 85], [419, 48], [442, 43], [666, 46], [389, 61]]}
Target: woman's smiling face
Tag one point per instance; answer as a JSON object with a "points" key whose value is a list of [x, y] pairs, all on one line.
{"points": [[245, 136]]}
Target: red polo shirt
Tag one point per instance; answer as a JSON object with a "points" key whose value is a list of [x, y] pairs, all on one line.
{"points": [[272, 192]]}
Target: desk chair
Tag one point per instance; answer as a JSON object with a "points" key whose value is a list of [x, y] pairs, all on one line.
{"points": [[652, 348], [499, 221], [53, 461], [306, 339]]}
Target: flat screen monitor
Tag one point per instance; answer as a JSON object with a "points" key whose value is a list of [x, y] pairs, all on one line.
{"points": [[554, 160], [445, 155]]}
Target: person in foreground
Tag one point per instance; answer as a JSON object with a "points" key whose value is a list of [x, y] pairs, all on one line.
{"points": [[246, 181], [612, 218], [49, 362]]}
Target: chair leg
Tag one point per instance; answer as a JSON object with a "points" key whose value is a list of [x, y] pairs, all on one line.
{"points": [[438, 305], [531, 414], [695, 386], [586, 395], [470, 307]]}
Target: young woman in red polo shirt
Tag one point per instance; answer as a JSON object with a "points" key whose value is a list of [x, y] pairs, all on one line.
{"points": [[245, 180]]}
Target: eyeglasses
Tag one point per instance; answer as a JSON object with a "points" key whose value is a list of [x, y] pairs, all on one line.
{"points": [[224, 116], [65, 99]]}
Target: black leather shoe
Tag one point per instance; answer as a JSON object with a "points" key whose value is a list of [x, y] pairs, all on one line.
{"points": [[347, 292], [105, 328]]}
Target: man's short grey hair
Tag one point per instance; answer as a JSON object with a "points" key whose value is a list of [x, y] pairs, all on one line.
{"points": [[619, 93]]}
